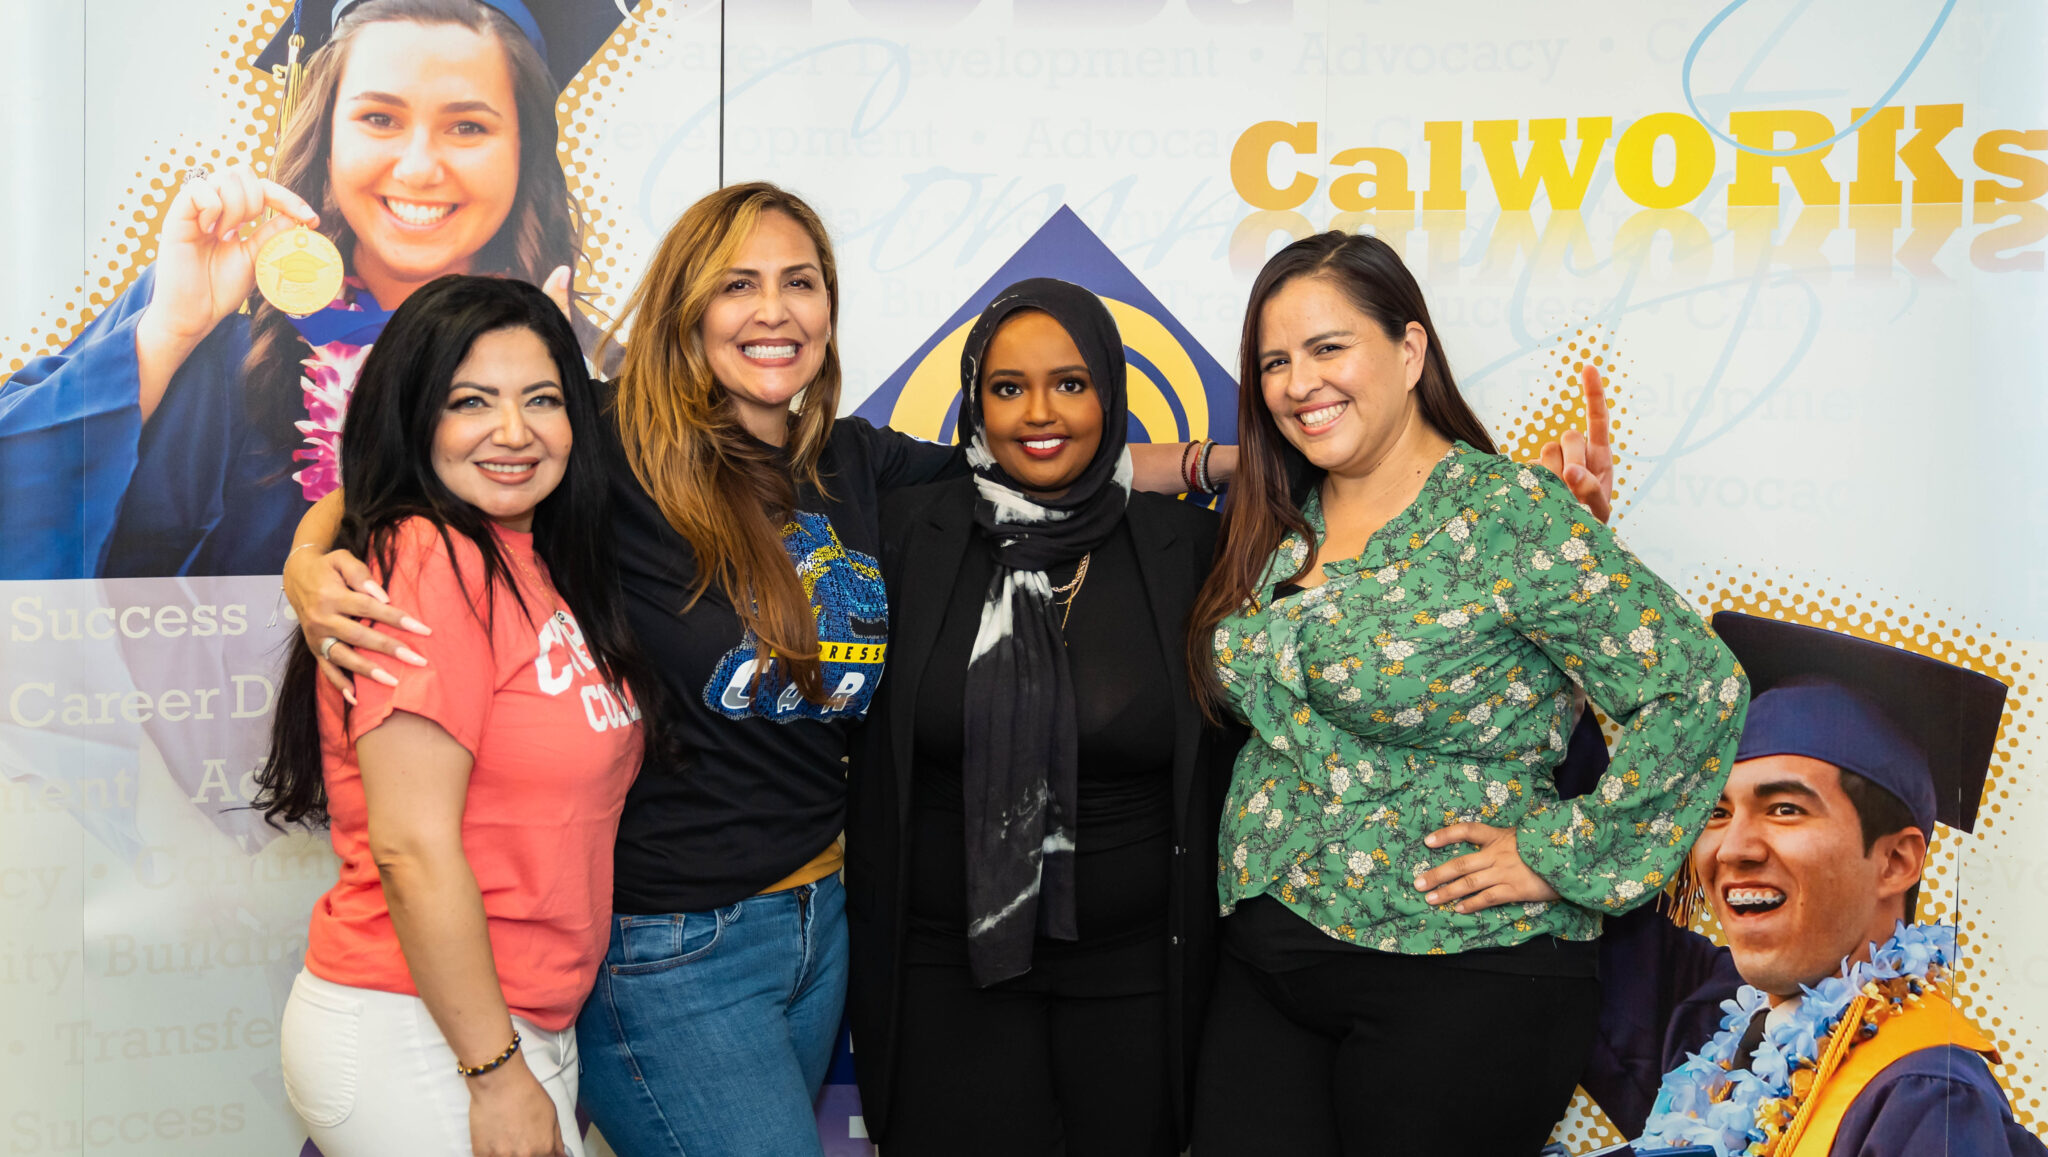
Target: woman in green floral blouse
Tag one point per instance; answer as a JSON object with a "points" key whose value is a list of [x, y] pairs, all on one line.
{"points": [[1407, 619]]}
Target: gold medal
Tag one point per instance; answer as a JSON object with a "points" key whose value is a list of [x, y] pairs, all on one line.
{"points": [[299, 271]]}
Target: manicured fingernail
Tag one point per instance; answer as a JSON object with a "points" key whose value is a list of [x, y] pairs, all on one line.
{"points": [[415, 626], [384, 677], [1429, 840], [349, 693], [1419, 885], [376, 592], [412, 656], [1431, 898]]}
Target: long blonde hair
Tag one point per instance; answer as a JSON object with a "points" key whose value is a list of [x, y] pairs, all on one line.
{"points": [[721, 489]]}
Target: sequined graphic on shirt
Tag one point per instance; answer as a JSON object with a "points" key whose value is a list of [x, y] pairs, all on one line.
{"points": [[851, 610]]}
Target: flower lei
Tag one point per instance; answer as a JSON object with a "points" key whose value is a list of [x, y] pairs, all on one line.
{"points": [[329, 380], [1707, 1101]]}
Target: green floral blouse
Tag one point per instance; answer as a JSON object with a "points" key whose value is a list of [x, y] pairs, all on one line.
{"points": [[1430, 681]]}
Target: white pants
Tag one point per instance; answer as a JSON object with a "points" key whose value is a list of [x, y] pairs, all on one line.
{"points": [[370, 1073]]}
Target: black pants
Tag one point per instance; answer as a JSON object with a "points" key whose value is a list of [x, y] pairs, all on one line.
{"points": [[1027, 1071], [1388, 1056]]}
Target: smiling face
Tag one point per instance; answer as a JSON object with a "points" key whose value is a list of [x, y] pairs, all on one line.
{"points": [[1039, 408], [503, 441], [1783, 864], [766, 329], [1339, 389], [425, 156]]}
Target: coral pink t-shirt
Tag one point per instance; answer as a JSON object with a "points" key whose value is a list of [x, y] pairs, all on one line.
{"points": [[555, 750]]}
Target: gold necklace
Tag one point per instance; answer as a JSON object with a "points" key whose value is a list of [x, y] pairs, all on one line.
{"points": [[1072, 589]]}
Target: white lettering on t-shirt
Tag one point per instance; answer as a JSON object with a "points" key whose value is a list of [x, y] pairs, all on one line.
{"points": [[603, 709], [739, 690], [561, 630], [849, 685]]}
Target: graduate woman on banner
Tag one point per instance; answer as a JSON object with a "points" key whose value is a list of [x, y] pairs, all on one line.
{"points": [[1404, 618], [180, 435], [473, 801]]}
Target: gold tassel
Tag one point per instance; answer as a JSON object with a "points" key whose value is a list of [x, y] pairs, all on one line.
{"points": [[292, 75], [1687, 898], [1847, 1035]]}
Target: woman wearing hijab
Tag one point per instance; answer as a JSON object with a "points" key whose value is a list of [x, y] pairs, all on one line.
{"points": [[1035, 794]]}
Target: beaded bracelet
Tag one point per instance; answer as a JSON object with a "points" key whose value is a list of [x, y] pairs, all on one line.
{"points": [[1202, 468], [1187, 475], [487, 1066], [1196, 485]]}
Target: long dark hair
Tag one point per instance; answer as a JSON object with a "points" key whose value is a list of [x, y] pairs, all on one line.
{"points": [[543, 230], [387, 467], [1273, 478]]}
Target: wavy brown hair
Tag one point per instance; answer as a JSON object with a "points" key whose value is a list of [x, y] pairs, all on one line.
{"points": [[722, 489], [1273, 478], [542, 231]]}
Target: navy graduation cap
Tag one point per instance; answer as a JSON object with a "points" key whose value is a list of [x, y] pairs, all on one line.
{"points": [[567, 33], [1919, 728]]}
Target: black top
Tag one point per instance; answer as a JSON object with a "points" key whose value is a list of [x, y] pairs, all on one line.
{"points": [[761, 788], [1124, 721], [927, 535]]}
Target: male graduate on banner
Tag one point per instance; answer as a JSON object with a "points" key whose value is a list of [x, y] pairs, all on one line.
{"points": [[1822, 1030]]}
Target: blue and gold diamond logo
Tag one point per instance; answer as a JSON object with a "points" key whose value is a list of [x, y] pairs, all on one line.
{"points": [[1177, 391]]}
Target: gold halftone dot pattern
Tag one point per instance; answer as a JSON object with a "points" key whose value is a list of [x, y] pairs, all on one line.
{"points": [[1559, 404], [132, 233], [1585, 1129], [584, 106], [1938, 633]]}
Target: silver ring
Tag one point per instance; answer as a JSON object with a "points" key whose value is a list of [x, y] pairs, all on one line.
{"points": [[327, 644], [195, 173]]}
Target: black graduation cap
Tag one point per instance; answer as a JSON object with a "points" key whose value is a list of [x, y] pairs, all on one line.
{"points": [[1919, 728], [567, 33]]}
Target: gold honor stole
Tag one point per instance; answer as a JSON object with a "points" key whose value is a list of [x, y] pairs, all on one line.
{"points": [[1928, 1023]]}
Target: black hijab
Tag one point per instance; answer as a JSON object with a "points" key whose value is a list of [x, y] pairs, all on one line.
{"points": [[1020, 767]]}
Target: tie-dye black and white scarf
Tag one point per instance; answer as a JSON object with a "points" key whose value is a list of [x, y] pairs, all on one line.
{"points": [[1020, 766]]}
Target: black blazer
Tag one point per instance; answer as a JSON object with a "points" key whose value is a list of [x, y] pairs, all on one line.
{"points": [[926, 531]]}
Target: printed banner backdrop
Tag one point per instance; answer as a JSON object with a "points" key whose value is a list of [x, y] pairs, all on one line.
{"points": [[1805, 239]]}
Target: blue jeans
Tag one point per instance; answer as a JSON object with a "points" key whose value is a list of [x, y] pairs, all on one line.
{"points": [[709, 1033]]}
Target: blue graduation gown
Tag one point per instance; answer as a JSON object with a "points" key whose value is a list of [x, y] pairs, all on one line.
{"points": [[87, 488], [1661, 999]]}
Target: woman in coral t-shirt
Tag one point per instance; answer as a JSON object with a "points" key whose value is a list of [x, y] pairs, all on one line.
{"points": [[473, 802]]}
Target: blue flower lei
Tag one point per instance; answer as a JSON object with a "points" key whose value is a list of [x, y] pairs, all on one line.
{"points": [[1703, 1102]]}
